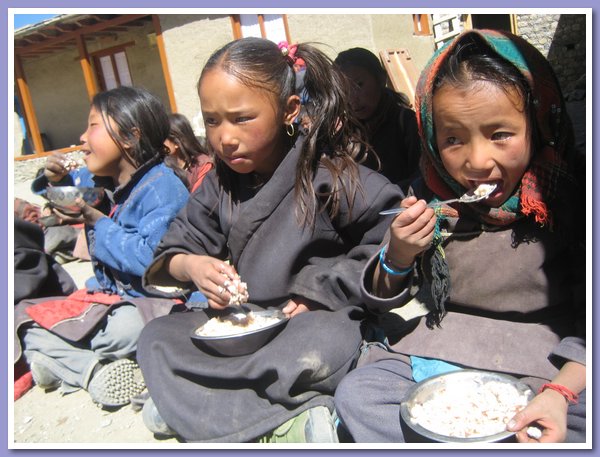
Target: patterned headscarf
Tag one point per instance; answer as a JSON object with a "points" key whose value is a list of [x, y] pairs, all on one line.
{"points": [[549, 165]]}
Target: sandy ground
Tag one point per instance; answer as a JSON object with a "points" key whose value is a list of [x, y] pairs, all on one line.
{"points": [[49, 417]]}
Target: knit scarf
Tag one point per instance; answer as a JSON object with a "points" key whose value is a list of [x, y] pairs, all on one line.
{"points": [[540, 182]]}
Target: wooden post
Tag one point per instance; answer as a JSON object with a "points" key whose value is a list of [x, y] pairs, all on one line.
{"points": [[86, 67], [28, 110], [163, 60]]}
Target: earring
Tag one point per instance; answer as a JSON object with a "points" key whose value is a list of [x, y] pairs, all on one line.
{"points": [[290, 129]]}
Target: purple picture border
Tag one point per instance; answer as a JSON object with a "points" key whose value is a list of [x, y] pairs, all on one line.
{"points": [[312, 4]]}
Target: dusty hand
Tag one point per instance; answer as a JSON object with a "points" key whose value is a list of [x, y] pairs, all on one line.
{"points": [[411, 232], [68, 218], [56, 167], [89, 214], [547, 411], [209, 275], [299, 305]]}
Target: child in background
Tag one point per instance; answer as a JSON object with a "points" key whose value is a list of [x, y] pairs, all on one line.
{"points": [[498, 285], [388, 119], [190, 155], [86, 340], [296, 217]]}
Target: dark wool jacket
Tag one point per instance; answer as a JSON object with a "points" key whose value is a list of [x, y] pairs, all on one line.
{"points": [[516, 304], [274, 252], [236, 399], [394, 136]]}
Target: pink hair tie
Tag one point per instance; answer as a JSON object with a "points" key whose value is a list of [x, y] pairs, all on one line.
{"points": [[289, 52]]}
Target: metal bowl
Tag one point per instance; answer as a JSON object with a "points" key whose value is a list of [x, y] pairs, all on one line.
{"points": [[63, 197], [242, 343], [424, 390]]}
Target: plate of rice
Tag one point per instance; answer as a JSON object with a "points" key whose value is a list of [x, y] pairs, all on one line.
{"points": [[464, 406]]}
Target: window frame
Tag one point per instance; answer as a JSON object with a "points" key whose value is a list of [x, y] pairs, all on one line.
{"points": [[96, 56], [236, 25]]}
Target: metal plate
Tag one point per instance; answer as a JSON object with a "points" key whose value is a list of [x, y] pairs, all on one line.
{"points": [[423, 390]]}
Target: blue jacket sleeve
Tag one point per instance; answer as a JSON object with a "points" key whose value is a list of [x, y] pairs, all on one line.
{"points": [[128, 246]]}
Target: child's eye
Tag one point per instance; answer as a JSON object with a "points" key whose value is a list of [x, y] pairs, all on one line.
{"points": [[210, 121], [242, 119], [499, 136], [452, 140]]}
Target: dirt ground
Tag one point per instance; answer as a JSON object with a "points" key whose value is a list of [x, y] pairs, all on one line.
{"points": [[48, 417]]}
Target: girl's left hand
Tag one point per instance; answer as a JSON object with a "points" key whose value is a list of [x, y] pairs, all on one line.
{"points": [[68, 218], [548, 411], [89, 213], [299, 305]]}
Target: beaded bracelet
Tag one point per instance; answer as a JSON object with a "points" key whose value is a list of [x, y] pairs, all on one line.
{"points": [[569, 395], [389, 270]]}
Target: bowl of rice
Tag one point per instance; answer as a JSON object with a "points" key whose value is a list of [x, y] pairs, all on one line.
{"points": [[235, 334], [464, 406]]}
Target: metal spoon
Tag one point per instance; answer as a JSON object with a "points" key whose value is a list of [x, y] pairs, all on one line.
{"points": [[473, 195], [239, 316]]}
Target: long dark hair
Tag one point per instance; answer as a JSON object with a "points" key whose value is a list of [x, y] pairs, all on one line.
{"points": [[182, 134], [365, 59], [334, 139], [141, 120]]}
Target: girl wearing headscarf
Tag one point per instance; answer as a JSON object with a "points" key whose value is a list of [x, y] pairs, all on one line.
{"points": [[496, 285]]}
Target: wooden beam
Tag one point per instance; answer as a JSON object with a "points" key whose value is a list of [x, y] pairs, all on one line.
{"points": [[124, 19], [261, 25], [160, 43], [47, 153], [28, 110], [236, 26], [288, 37], [86, 68]]}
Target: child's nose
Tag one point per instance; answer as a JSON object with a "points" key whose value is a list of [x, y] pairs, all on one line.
{"points": [[228, 137], [480, 157]]}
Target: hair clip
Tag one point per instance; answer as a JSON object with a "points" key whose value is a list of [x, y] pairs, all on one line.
{"points": [[288, 51]]}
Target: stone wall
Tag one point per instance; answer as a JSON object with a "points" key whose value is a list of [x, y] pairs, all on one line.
{"points": [[562, 39]]}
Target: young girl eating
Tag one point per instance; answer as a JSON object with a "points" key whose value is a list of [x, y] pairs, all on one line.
{"points": [[88, 339], [496, 285], [295, 217]]}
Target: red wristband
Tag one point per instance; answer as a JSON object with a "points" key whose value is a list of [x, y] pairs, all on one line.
{"points": [[569, 395]]}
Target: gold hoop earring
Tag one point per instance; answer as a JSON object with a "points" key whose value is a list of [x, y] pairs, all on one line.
{"points": [[290, 129]]}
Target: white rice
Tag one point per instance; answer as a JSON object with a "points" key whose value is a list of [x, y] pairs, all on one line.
{"points": [[216, 326], [469, 409], [484, 189]]}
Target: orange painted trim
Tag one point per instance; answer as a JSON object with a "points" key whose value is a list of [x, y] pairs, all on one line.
{"points": [[160, 43], [261, 24], [236, 26], [288, 36], [47, 153], [86, 68], [32, 124]]}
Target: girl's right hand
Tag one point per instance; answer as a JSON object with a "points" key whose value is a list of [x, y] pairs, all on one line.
{"points": [[411, 232], [55, 168], [207, 273]]}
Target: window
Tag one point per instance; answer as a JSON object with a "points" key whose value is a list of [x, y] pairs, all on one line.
{"points": [[271, 26], [112, 69]]}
